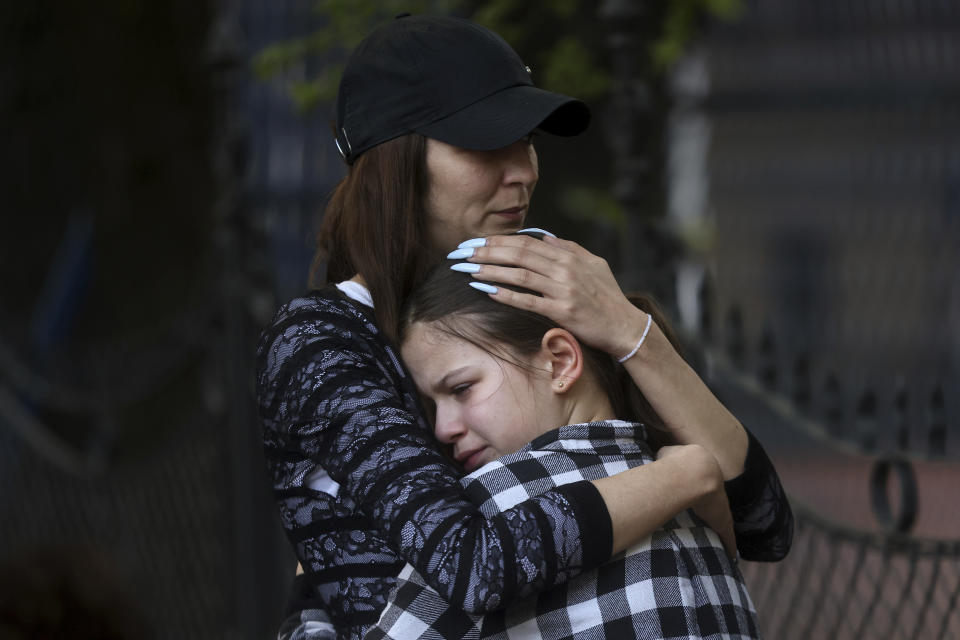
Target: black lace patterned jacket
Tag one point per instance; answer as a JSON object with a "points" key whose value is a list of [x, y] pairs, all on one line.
{"points": [[357, 474]]}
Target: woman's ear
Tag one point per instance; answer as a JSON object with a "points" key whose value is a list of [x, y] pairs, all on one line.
{"points": [[564, 357]]}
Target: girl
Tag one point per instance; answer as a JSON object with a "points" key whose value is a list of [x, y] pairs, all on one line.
{"points": [[501, 383], [433, 117]]}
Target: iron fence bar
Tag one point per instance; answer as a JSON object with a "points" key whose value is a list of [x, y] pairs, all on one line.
{"points": [[799, 583], [951, 606], [822, 591], [764, 586], [878, 583], [785, 410], [907, 589], [927, 599], [850, 589], [877, 540]]}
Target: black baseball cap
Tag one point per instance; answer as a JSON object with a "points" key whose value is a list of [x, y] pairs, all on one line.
{"points": [[448, 79]]}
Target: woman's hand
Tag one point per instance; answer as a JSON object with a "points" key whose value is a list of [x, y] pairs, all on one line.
{"points": [[712, 507], [579, 292]]}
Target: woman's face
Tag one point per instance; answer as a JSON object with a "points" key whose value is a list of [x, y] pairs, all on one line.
{"points": [[477, 193], [485, 407]]}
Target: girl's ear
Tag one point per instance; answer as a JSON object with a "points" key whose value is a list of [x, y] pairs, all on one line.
{"points": [[564, 357]]}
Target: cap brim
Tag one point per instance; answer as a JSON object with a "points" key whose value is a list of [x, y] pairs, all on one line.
{"points": [[504, 117]]}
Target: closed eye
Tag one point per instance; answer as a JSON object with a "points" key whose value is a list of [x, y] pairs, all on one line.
{"points": [[461, 389]]}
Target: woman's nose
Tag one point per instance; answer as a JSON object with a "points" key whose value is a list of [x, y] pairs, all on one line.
{"points": [[520, 164]]}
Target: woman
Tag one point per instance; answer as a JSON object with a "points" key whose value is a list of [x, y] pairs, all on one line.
{"points": [[528, 407], [433, 116]]}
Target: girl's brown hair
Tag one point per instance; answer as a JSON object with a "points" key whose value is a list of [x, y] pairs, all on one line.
{"points": [[374, 226], [445, 300]]}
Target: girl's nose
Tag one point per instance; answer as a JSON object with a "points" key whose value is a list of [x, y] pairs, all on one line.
{"points": [[448, 426]]}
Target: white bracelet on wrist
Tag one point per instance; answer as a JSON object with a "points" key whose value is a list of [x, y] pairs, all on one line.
{"points": [[640, 342]]}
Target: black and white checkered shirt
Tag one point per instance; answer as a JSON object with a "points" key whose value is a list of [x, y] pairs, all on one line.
{"points": [[677, 583]]}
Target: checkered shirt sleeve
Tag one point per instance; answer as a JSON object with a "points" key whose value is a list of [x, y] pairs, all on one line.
{"points": [[307, 624], [677, 583]]}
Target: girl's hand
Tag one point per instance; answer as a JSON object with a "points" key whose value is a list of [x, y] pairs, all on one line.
{"points": [[713, 507], [578, 289]]}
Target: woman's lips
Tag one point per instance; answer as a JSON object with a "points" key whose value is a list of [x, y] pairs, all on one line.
{"points": [[514, 213]]}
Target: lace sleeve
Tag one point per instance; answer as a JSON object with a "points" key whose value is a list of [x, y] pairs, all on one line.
{"points": [[333, 388], [762, 518]]}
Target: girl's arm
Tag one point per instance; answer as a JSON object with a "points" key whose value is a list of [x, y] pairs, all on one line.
{"points": [[304, 620], [682, 477], [331, 392]]}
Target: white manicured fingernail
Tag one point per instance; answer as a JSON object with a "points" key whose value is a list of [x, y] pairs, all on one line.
{"points": [[483, 286], [460, 254], [537, 230], [465, 267], [473, 242]]}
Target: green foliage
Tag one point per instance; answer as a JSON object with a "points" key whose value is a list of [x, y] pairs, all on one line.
{"points": [[592, 205], [560, 41], [500, 17], [571, 68], [345, 24], [681, 25], [564, 37], [563, 41]]}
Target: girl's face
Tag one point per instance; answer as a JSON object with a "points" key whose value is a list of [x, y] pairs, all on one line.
{"points": [[477, 193], [485, 407]]}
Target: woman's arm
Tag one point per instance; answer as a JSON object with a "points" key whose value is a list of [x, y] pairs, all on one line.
{"points": [[327, 394], [761, 512], [579, 292], [688, 408], [763, 520]]}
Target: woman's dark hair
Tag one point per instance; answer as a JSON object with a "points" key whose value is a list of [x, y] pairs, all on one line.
{"points": [[374, 225], [445, 301]]}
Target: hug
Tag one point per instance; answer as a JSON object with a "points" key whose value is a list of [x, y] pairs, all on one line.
{"points": [[531, 459]]}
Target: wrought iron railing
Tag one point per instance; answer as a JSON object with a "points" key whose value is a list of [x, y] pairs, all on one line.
{"points": [[847, 576]]}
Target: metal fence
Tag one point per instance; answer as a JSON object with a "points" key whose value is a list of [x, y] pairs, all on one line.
{"points": [[829, 300]]}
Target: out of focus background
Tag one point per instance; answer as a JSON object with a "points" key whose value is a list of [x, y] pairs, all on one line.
{"points": [[783, 175]]}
